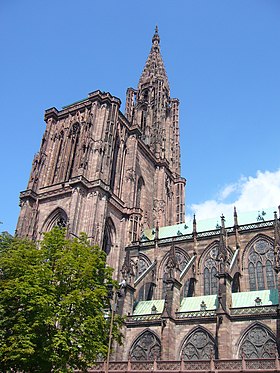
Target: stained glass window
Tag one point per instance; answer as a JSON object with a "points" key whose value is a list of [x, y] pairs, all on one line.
{"points": [[198, 346], [270, 275], [146, 347], [260, 266], [210, 272]]}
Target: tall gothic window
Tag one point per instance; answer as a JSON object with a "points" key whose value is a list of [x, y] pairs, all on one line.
{"points": [[182, 261], [109, 234], [146, 347], [198, 346], [140, 185], [74, 135], [258, 343], [210, 272], [260, 265]]}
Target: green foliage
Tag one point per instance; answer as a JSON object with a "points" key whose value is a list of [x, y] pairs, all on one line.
{"points": [[52, 301]]}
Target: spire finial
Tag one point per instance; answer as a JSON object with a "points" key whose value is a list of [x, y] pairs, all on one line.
{"points": [[235, 216], [156, 38]]}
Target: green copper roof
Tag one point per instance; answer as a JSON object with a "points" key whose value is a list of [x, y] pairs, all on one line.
{"points": [[193, 303], [209, 224], [247, 299], [145, 307]]}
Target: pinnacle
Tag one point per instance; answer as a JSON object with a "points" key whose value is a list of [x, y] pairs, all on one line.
{"points": [[154, 67], [156, 38]]}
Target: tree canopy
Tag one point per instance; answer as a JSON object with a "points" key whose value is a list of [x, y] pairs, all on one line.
{"points": [[52, 300]]}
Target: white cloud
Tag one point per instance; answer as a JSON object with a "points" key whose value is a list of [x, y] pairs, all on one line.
{"points": [[247, 194]]}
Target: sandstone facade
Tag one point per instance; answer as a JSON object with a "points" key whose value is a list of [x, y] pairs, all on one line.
{"points": [[192, 292]]}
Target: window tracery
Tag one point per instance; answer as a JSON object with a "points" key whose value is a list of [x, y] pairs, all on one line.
{"points": [[141, 267], [181, 261], [147, 347], [199, 346], [260, 265], [210, 272], [258, 343], [58, 218]]}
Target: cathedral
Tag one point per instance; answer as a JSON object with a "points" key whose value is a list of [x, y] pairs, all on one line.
{"points": [[198, 292]]}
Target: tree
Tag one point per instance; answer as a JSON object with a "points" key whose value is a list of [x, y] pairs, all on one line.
{"points": [[52, 300]]}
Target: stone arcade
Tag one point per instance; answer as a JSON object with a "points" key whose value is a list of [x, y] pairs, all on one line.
{"points": [[201, 293]]}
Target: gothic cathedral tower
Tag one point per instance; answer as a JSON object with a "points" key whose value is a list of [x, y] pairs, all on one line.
{"points": [[107, 174]]}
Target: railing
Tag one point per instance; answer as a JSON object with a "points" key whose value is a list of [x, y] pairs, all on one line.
{"points": [[217, 366]]}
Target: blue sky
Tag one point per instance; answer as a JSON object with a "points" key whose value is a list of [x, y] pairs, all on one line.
{"points": [[222, 58]]}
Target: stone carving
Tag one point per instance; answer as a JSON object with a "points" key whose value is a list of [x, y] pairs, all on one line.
{"points": [[147, 347], [130, 175], [199, 346], [258, 343]]}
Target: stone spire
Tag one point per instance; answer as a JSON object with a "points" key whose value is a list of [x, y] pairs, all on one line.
{"points": [[154, 68], [222, 256]]}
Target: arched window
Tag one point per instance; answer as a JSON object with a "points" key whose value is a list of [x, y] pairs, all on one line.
{"points": [[114, 163], [58, 218], [108, 238], [210, 272], [74, 135], [198, 346], [140, 185], [181, 260], [146, 347], [258, 342], [260, 265]]}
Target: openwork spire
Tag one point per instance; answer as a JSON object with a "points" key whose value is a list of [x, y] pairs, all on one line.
{"points": [[154, 68]]}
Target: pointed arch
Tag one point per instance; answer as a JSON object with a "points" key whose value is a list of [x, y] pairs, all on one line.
{"points": [[146, 347], [139, 191], [257, 341], [57, 217], [114, 163], [210, 268], [109, 236], [74, 135], [258, 262], [199, 344], [142, 264], [182, 258]]}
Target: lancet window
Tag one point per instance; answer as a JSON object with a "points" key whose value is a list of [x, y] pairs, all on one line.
{"points": [[181, 261], [109, 234], [140, 186], [146, 347], [210, 272], [258, 343], [198, 346], [74, 135], [260, 265]]}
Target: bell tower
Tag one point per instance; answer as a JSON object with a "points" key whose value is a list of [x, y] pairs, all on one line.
{"points": [[156, 115], [107, 174]]}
